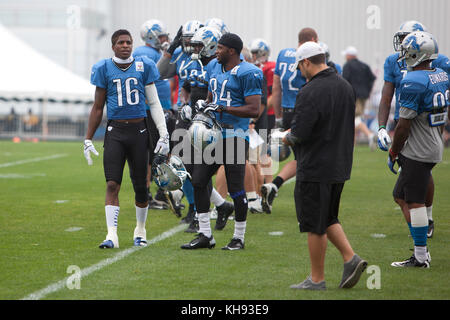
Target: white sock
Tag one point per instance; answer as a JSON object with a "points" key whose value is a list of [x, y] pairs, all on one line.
{"points": [[141, 218], [420, 252], [430, 213], [216, 198], [251, 195], [239, 230], [204, 224], [112, 215]]}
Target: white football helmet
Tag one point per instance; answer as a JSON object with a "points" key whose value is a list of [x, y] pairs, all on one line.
{"points": [[405, 29], [150, 32], [260, 49], [188, 31], [417, 47], [204, 130], [278, 151], [208, 38], [170, 175], [217, 24]]}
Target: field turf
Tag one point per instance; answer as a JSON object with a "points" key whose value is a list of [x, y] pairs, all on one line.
{"points": [[52, 217]]}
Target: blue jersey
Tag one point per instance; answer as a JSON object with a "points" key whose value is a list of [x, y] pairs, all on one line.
{"points": [[425, 91], [290, 81], [230, 88], [182, 60], [394, 74], [197, 74], [162, 86], [125, 93]]}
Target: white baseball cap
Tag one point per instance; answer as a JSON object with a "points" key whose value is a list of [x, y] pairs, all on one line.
{"points": [[350, 50], [307, 50]]}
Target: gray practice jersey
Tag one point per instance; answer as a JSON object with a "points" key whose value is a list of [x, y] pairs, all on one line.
{"points": [[425, 143]]}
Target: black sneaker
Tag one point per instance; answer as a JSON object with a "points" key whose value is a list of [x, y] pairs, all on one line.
{"points": [[156, 205], [200, 242], [430, 231], [223, 212], [193, 226], [412, 262], [189, 215], [268, 192], [235, 244]]}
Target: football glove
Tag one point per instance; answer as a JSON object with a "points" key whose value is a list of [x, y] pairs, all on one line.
{"points": [[392, 159], [384, 140], [88, 148], [176, 41], [200, 105], [186, 113], [213, 107], [162, 146]]}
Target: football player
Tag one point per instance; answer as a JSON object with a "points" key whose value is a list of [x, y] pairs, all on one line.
{"points": [[418, 144], [393, 75], [155, 37], [124, 83], [234, 92], [286, 83]]}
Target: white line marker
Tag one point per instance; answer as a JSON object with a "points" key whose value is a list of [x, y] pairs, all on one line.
{"points": [[276, 233], [15, 163], [100, 265], [73, 229]]}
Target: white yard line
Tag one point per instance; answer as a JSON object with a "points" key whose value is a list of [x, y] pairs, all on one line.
{"points": [[100, 265], [15, 163]]}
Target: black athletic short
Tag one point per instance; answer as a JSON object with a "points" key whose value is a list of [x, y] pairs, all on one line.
{"points": [[234, 171], [317, 205], [412, 182], [126, 142], [288, 115]]}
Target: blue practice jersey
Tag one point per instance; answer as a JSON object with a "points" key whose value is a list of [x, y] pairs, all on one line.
{"points": [[197, 74], [125, 93], [230, 88], [182, 60], [162, 86], [291, 82], [425, 91], [394, 74]]}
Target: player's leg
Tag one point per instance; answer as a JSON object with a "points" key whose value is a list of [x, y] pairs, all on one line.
{"points": [[429, 205], [113, 163], [137, 163]]}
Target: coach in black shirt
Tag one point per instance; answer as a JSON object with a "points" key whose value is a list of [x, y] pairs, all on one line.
{"points": [[323, 132]]}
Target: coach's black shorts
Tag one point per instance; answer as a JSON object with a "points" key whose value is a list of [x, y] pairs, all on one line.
{"points": [[317, 205], [126, 142], [412, 182]]}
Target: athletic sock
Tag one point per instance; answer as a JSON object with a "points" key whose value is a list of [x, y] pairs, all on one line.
{"points": [[430, 213], [239, 230], [278, 181], [141, 218], [204, 224], [216, 198], [188, 190], [112, 216], [419, 228]]}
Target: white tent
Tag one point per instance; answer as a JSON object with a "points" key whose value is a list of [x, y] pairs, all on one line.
{"points": [[27, 74]]}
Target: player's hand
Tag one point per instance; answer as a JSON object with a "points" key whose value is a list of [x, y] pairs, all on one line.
{"points": [[88, 148], [392, 159], [176, 42], [200, 105], [213, 107], [186, 113], [162, 146], [384, 140]]}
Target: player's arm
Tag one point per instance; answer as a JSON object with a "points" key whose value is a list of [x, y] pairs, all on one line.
{"points": [[401, 135], [157, 113], [166, 69], [249, 110], [385, 103], [276, 97], [96, 115]]}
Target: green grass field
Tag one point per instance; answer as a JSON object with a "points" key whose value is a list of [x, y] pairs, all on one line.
{"points": [[52, 217]]}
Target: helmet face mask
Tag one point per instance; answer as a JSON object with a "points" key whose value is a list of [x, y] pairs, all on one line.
{"points": [[405, 29], [170, 175], [204, 131], [188, 31], [416, 48]]}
